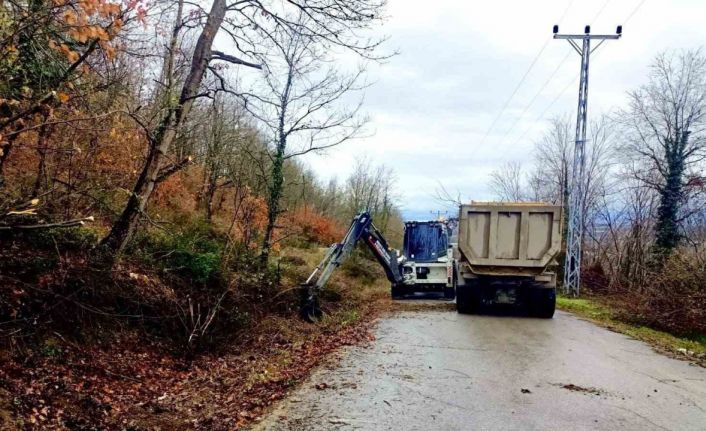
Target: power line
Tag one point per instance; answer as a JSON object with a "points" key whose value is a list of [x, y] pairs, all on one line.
{"points": [[541, 116], [634, 11], [536, 95], [600, 11], [544, 85], [561, 63], [522, 80], [574, 233], [563, 15], [514, 92], [553, 102]]}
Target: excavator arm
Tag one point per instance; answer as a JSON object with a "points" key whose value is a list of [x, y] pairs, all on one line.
{"points": [[362, 227]]}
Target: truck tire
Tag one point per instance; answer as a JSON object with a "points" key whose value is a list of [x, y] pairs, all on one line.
{"points": [[467, 299], [396, 292], [543, 302]]}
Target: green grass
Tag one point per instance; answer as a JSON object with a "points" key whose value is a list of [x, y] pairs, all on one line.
{"points": [[601, 314], [583, 307]]}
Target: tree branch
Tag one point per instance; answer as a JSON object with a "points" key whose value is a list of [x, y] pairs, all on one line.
{"points": [[62, 224], [219, 55], [168, 171]]}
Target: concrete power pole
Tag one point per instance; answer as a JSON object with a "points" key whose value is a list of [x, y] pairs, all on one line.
{"points": [[572, 266]]}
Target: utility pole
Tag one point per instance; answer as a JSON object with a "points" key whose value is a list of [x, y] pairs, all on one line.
{"points": [[574, 240]]}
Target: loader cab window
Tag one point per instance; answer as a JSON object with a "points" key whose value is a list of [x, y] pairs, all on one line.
{"points": [[425, 241]]}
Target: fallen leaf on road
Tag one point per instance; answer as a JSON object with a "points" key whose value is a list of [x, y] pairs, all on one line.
{"points": [[335, 421], [577, 388]]}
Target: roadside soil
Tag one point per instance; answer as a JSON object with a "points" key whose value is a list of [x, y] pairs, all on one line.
{"points": [[129, 380], [137, 386]]}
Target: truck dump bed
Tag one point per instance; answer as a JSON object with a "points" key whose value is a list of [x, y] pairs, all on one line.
{"points": [[509, 238]]}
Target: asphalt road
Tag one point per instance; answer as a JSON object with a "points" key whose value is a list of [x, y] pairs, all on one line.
{"points": [[437, 370]]}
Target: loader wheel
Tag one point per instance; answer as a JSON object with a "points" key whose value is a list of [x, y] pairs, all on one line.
{"points": [[396, 292], [449, 293], [543, 302]]}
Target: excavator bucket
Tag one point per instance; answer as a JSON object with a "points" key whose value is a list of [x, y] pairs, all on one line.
{"points": [[309, 308]]}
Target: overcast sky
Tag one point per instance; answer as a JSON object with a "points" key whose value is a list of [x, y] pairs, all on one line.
{"points": [[432, 105]]}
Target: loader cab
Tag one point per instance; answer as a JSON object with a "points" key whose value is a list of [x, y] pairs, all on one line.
{"points": [[427, 258], [425, 241]]}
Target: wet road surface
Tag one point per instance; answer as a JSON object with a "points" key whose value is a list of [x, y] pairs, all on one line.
{"points": [[438, 370]]}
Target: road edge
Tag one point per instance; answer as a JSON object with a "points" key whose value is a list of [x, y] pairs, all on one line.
{"points": [[662, 342]]}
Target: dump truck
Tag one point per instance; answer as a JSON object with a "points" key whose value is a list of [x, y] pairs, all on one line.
{"points": [[504, 255], [427, 264]]}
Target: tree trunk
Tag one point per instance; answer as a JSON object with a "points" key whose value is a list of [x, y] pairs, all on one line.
{"points": [[5, 153], [210, 193], [667, 227], [274, 195], [42, 154], [275, 190], [165, 134]]}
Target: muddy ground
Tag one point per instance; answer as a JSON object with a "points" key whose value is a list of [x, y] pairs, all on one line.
{"points": [[436, 369]]}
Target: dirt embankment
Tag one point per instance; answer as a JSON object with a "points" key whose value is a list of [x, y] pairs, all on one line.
{"points": [[117, 373]]}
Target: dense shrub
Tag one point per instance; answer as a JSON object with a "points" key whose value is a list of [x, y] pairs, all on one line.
{"points": [[674, 298], [362, 266], [73, 238], [594, 278], [315, 228], [191, 249], [292, 260]]}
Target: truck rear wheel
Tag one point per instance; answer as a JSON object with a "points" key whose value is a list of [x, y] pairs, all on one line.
{"points": [[467, 299], [543, 302]]}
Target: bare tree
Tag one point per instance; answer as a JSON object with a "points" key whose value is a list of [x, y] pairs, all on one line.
{"points": [[506, 182], [371, 188], [446, 198], [298, 104], [600, 160], [550, 176], [329, 23], [552, 173], [221, 143], [172, 117], [664, 125]]}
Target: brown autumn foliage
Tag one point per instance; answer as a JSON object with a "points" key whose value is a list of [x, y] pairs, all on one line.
{"points": [[84, 346], [315, 227], [673, 299]]}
